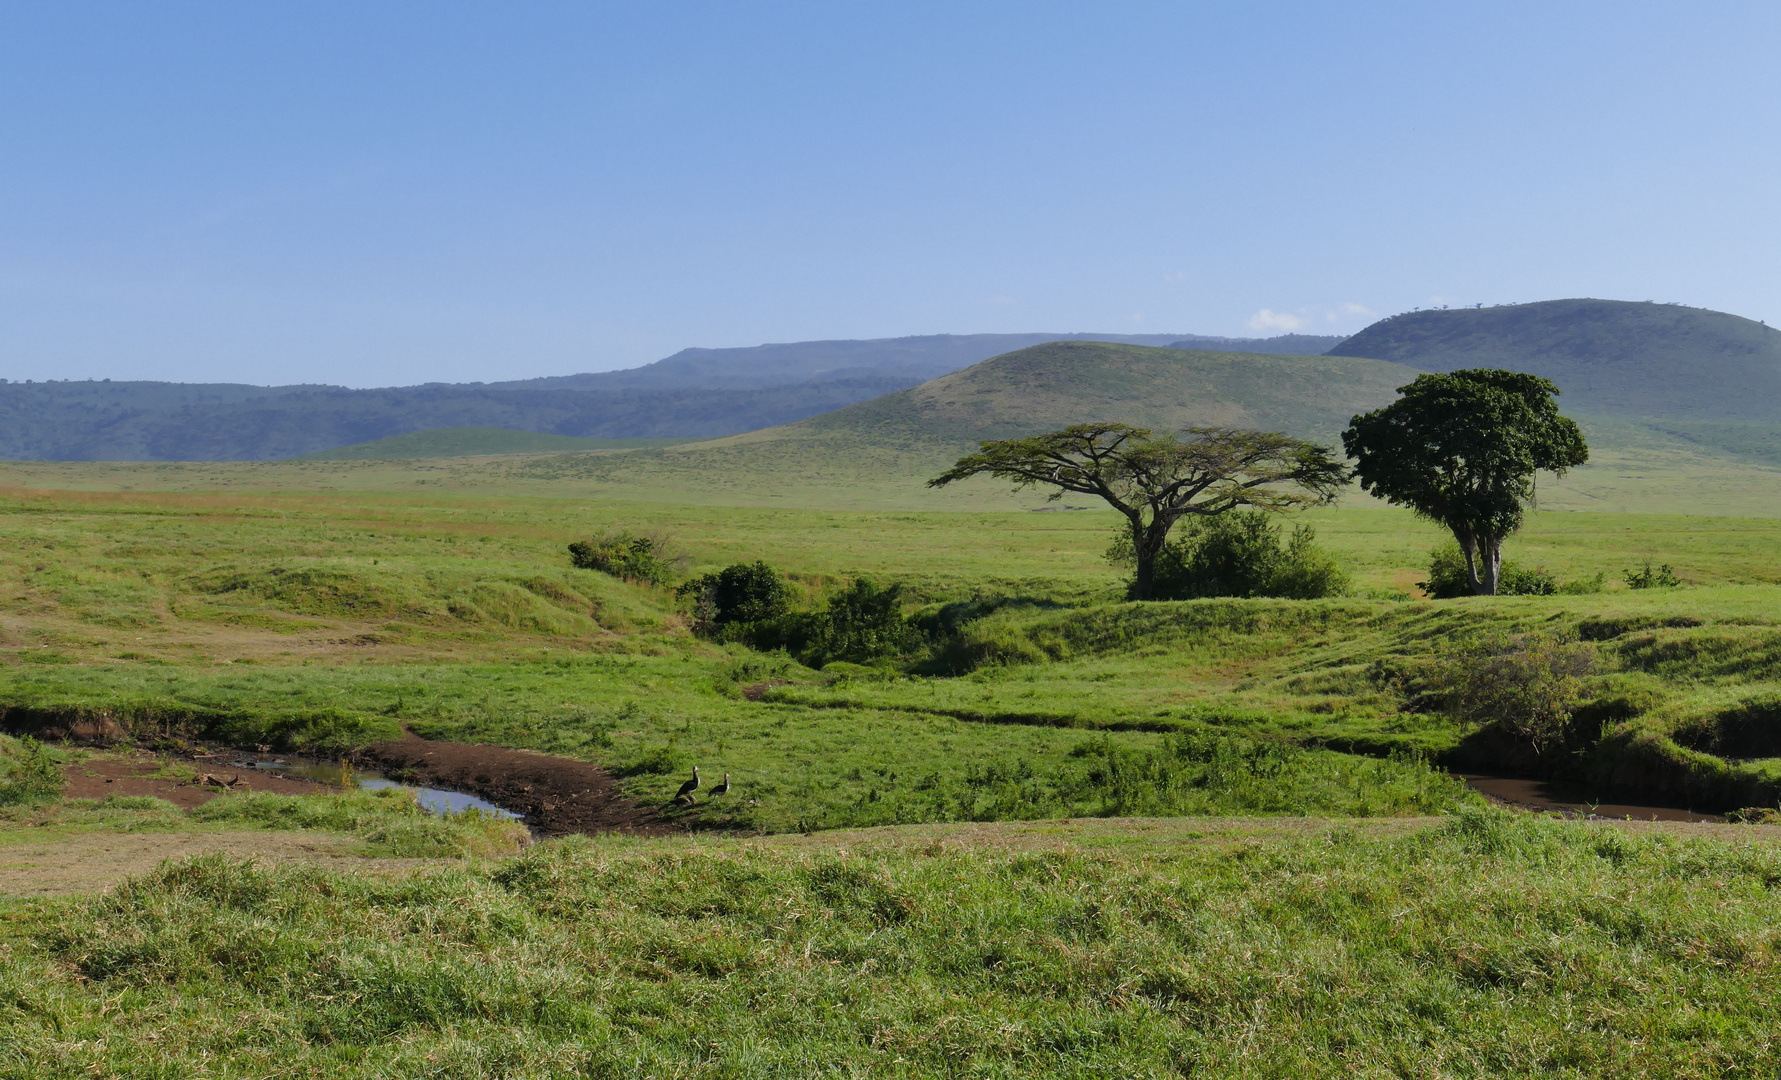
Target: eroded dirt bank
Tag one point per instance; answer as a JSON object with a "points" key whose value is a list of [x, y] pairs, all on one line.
{"points": [[557, 795]]}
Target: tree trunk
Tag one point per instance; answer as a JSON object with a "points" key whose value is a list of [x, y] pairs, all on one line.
{"points": [[1490, 553], [1484, 563], [1144, 580], [1147, 544], [1469, 548]]}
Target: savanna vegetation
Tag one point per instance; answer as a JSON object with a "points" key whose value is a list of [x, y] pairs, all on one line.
{"points": [[987, 815]]}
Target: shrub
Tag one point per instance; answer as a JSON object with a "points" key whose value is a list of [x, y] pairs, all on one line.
{"points": [[863, 622], [1661, 578], [1516, 581], [1448, 579], [750, 604], [33, 777], [1525, 685], [625, 555], [1306, 571], [736, 597], [1239, 554]]}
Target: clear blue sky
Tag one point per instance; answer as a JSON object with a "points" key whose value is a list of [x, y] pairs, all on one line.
{"points": [[384, 193]]}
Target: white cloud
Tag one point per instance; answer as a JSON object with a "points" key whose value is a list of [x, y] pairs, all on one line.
{"points": [[1278, 322], [1355, 309]]}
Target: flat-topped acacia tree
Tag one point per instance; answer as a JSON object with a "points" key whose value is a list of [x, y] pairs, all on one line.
{"points": [[1462, 449], [1156, 480]]}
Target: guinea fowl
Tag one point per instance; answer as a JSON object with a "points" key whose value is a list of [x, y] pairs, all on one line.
{"points": [[723, 788], [685, 794]]}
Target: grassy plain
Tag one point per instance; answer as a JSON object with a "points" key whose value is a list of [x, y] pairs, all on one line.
{"points": [[334, 619], [1337, 928]]}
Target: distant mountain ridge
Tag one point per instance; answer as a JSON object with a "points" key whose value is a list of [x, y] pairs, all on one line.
{"points": [[915, 358], [101, 421], [697, 393], [891, 444], [1611, 357], [1703, 377]]}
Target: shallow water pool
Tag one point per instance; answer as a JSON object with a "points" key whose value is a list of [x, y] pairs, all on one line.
{"points": [[338, 775]]}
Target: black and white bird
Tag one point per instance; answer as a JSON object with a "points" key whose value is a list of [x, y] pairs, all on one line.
{"points": [[686, 790], [723, 788]]}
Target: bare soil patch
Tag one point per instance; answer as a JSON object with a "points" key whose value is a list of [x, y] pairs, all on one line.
{"points": [[557, 795], [139, 772], [755, 691]]}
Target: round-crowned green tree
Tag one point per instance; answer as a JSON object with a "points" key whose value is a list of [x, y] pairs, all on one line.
{"points": [[1462, 449]]}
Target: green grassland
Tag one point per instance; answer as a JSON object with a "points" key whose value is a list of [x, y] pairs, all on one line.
{"points": [[473, 442], [1488, 945], [1243, 860], [332, 621]]}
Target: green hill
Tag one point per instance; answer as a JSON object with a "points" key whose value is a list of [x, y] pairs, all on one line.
{"points": [[879, 451], [1610, 357], [1067, 382], [475, 442]]}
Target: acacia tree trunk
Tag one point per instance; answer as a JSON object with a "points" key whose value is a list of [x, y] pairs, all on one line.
{"points": [[1147, 544]]}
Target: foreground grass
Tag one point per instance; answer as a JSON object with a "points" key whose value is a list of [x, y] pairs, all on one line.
{"points": [[1488, 945]]}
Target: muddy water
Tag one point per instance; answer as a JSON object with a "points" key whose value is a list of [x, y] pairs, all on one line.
{"points": [[332, 774], [1539, 795]]}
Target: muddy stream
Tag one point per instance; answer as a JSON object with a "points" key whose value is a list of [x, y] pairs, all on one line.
{"points": [[1540, 795]]}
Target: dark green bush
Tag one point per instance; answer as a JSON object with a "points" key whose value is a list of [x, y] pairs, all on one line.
{"points": [[625, 555], [1518, 581], [751, 604], [1448, 579], [1661, 578], [1240, 554], [736, 597], [863, 622]]}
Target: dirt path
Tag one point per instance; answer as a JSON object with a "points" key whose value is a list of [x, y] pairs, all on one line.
{"points": [[94, 862], [557, 795]]}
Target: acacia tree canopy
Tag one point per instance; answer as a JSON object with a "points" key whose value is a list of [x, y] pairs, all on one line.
{"points": [[1462, 449], [1156, 480]]}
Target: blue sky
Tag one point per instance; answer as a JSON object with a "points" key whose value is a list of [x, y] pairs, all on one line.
{"points": [[386, 193]]}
